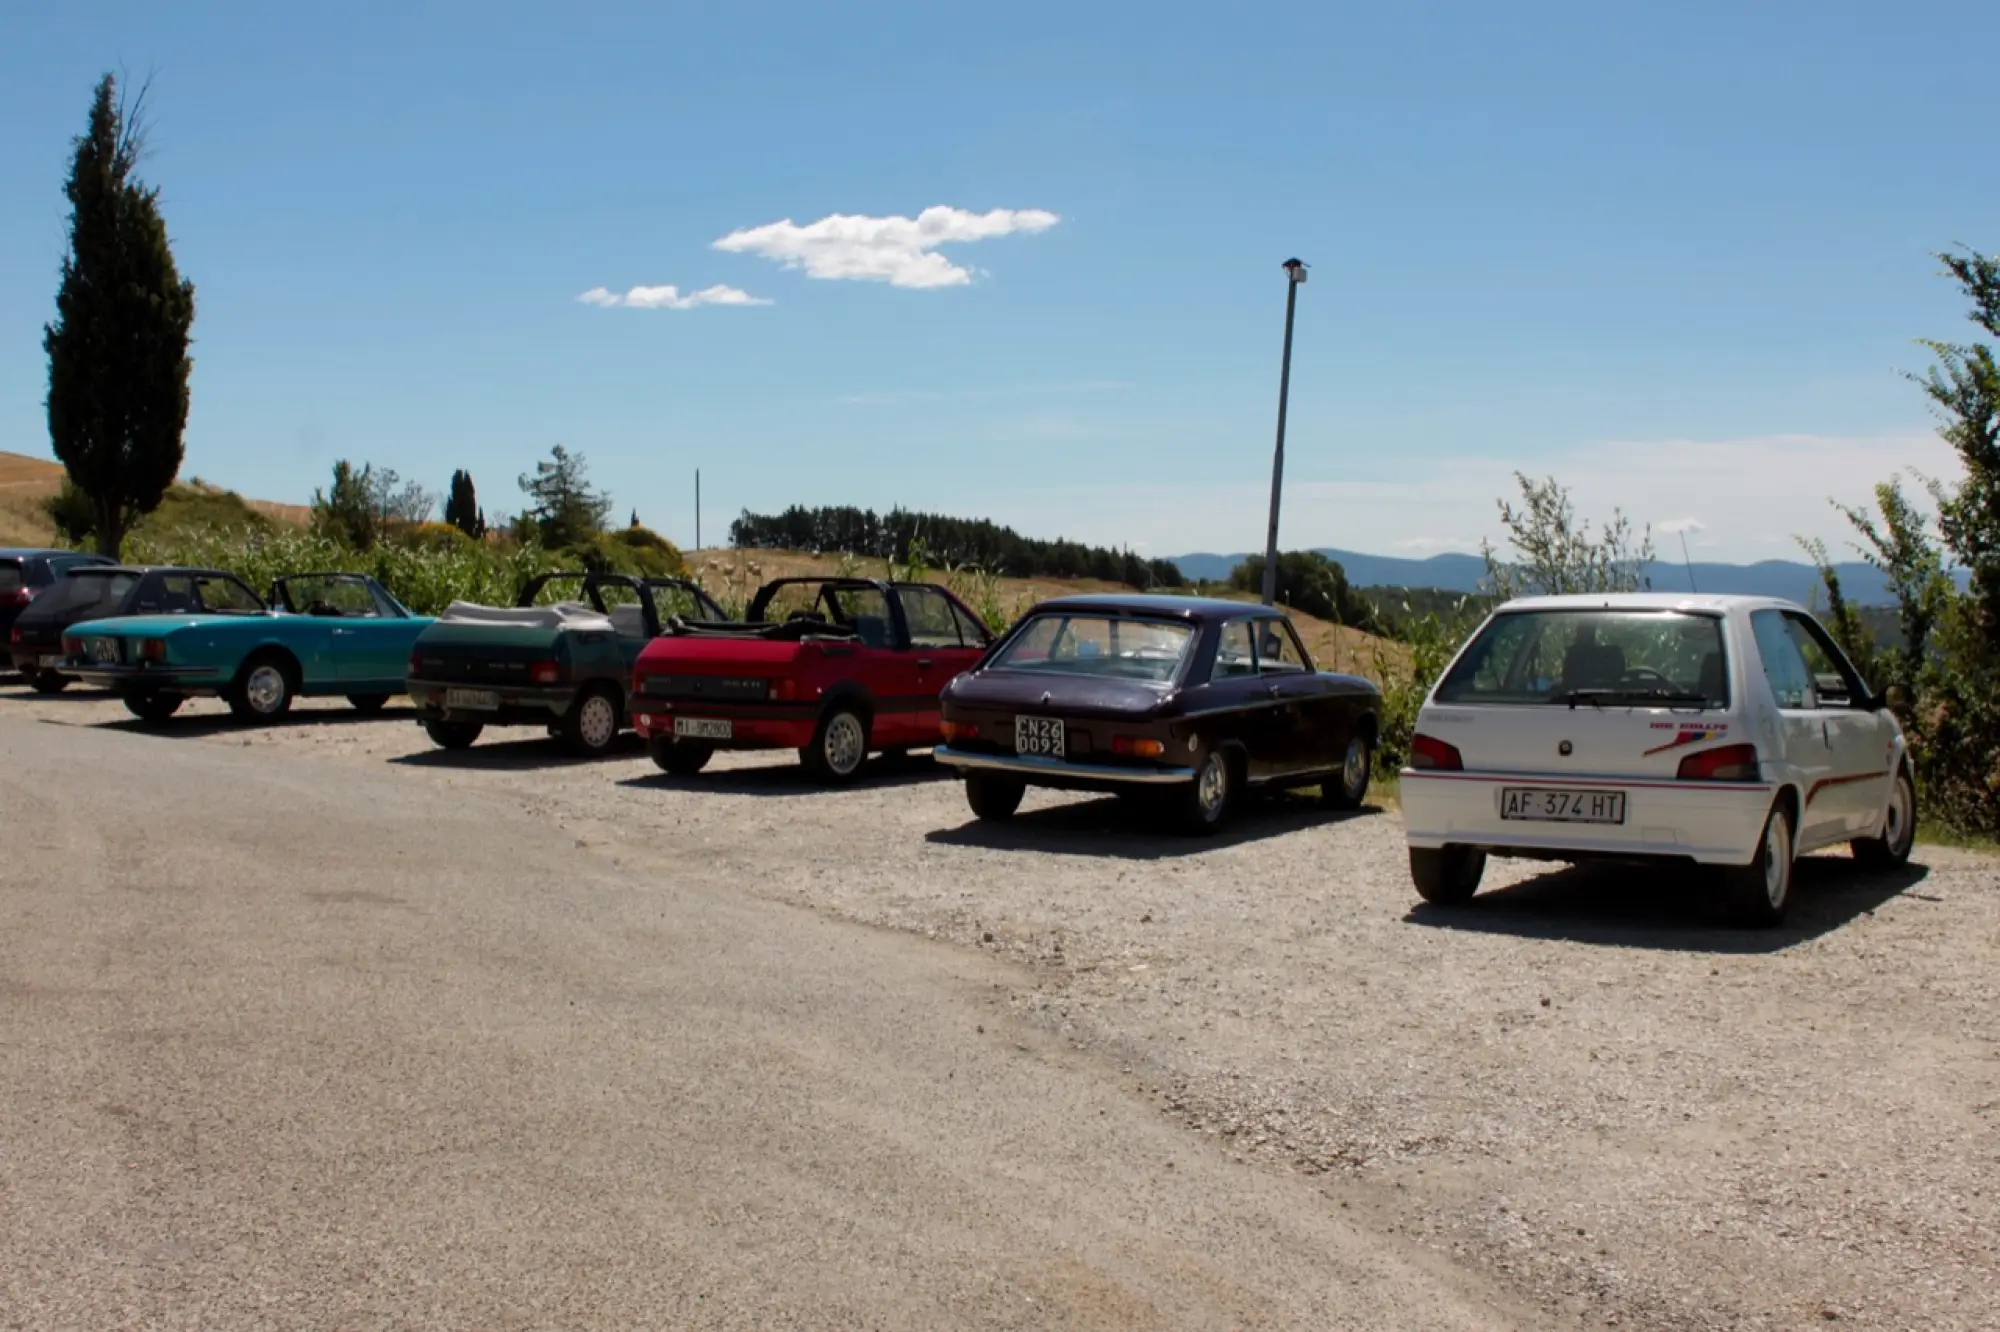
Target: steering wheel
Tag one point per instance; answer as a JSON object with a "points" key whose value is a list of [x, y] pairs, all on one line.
{"points": [[324, 610], [1645, 675]]}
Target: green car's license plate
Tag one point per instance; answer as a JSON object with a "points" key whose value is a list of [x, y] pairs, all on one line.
{"points": [[476, 700]]}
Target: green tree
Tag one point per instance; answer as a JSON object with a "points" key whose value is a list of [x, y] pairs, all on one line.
{"points": [[461, 507], [361, 507], [118, 349], [1308, 581], [564, 509], [1553, 553]]}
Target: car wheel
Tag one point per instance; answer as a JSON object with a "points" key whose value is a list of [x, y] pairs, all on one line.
{"points": [[48, 682], [1446, 875], [1350, 787], [682, 758], [838, 747], [994, 795], [1207, 802], [368, 704], [153, 707], [453, 735], [1759, 892], [1899, 828], [591, 725], [263, 690]]}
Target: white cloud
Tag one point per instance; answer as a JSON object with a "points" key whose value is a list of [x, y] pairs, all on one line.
{"points": [[1424, 545], [1680, 526], [901, 251], [670, 298]]}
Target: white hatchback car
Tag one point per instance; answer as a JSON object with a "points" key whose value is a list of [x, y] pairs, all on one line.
{"points": [[1721, 731]]}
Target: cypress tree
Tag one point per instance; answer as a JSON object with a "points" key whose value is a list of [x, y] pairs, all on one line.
{"points": [[118, 349]]}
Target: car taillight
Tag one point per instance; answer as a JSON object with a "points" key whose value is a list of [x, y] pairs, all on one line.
{"points": [[152, 649], [1726, 763], [1430, 752], [72, 647], [544, 672], [20, 596], [15, 637], [1137, 746], [957, 730], [416, 663], [784, 688]]}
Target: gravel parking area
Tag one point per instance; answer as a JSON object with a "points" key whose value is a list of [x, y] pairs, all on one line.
{"points": [[1583, 1083]]}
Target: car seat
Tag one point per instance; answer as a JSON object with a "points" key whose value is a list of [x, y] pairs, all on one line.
{"points": [[872, 630], [1709, 682], [1590, 665]]}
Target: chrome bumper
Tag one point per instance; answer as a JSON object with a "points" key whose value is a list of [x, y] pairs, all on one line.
{"points": [[1031, 767]]}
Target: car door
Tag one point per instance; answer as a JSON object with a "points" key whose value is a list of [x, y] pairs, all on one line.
{"points": [[939, 650], [1301, 714], [885, 664], [1239, 704], [1856, 735], [1806, 745]]}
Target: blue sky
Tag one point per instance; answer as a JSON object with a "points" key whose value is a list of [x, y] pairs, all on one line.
{"points": [[1676, 257]]}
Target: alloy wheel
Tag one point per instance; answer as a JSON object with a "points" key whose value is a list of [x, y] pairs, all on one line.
{"points": [[844, 744], [265, 689], [597, 723]]}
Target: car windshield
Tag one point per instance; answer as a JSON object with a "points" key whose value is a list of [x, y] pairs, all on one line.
{"points": [[1107, 645], [329, 596], [84, 594], [1594, 657]]}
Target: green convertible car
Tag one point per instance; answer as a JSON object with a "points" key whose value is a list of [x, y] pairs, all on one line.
{"points": [[320, 633], [560, 658]]}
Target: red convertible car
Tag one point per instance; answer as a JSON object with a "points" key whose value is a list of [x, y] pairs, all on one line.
{"points": [[835, 668]]}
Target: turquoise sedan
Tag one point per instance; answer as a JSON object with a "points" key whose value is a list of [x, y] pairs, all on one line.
{"points": [[320, 634]]}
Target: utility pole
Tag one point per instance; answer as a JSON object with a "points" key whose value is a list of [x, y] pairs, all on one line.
{"points": [[1295, 275], [697, 508]]}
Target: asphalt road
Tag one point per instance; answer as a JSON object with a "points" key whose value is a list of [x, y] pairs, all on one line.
{"points": [[298, 1045]]}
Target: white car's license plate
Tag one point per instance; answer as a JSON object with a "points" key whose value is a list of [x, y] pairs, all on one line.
{"points": [[1540, 804], [703, 728], [1038, 735], [104, 649], [477, 700], [49, 662]]}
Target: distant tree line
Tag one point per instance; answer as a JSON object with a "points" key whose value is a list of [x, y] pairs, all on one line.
{"points": [[967, 541]]}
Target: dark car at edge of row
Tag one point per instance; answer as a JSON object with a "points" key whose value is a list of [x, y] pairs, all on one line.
{"points": [[100, 592], [24, 576]]}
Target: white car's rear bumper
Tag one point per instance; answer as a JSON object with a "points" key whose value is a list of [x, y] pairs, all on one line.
{"points": [[1717, 823]]}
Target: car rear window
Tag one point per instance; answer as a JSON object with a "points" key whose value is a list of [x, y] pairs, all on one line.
{"points": [[89, 593], [1605, 657], [10, 576], [1108, 645]]}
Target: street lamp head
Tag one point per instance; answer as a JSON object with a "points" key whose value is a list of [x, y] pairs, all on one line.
{"points": [[1295, 270]]}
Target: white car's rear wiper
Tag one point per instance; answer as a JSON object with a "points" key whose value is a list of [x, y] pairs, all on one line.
{"points": [[1598, 697]]}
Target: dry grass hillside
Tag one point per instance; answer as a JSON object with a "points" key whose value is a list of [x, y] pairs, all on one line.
{"points": [[25, 482], [734, 574]]}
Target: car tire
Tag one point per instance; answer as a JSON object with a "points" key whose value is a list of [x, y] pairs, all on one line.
{"points": [[48, 682], [1899, 828], [994, 796], [1446, 875], [1204, 805], [682, 758], [1758, 893], [590, 727], [263, 690], [839, 746], [153, 707], [368, 704], [1349, 787], [453, 735]]}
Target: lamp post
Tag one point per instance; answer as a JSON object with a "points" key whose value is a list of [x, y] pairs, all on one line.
{"points": [[1295, 275]]}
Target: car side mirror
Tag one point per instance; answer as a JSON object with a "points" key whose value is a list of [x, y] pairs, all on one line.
{"points": [[1895, 698]]}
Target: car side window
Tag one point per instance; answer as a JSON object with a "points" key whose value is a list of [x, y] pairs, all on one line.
{"points": [[929, 615], [1834, 682], [1234, 656], [225, 596], [970, 631], [170, 594], [1278, 649], [1784, 666]]}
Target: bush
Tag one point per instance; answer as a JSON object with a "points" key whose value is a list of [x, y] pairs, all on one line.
{"points": [[1308, 581]]}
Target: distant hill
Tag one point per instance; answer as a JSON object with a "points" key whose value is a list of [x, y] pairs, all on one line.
{"points": [[25, 482], [1462, 573]]}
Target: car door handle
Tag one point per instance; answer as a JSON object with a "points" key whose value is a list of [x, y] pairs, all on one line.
{"points": [[923, 663], [1271, 690]]}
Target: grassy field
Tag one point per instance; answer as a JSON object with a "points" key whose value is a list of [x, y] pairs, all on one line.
{"points": [[25, 482]]}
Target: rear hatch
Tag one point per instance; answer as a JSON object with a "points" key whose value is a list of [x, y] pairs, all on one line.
{"points": [[1584, 692], [82, 594], [725, 668], [483, 654]]}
